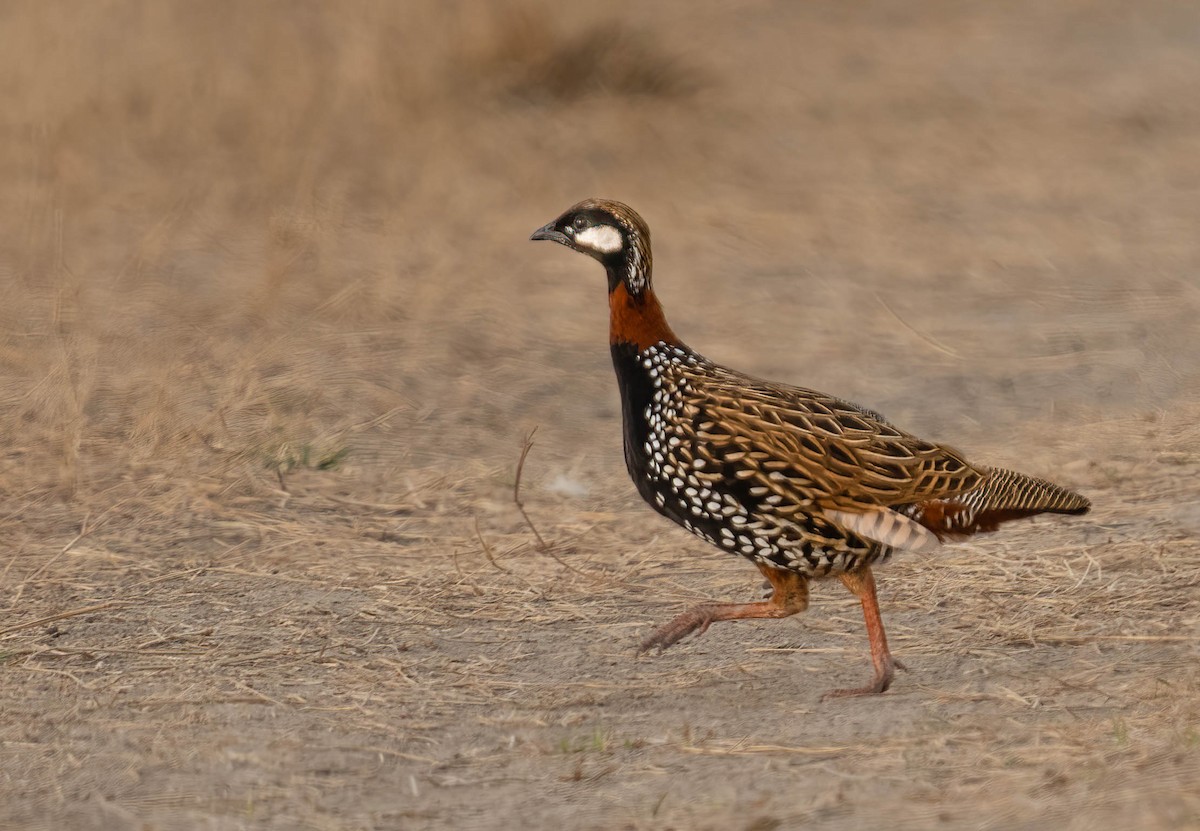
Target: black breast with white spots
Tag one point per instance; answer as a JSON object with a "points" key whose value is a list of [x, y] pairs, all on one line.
{"points": [[683, 476]]}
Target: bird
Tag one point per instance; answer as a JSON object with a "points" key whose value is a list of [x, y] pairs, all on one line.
{"points": [[803, 484]]}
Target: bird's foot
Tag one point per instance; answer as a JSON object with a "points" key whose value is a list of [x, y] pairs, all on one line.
{"points": [[697, 619], [882, 680], [789, 597], [874, 688]]}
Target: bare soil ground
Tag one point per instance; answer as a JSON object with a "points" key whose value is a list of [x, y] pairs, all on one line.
{"points": [[272, 336]]}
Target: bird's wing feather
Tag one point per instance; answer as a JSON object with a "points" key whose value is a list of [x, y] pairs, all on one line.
{"points": [[817, 449], [883, 525]]}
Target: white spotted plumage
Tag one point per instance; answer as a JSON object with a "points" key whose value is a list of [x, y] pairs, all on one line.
{"points": [[697, 490]]}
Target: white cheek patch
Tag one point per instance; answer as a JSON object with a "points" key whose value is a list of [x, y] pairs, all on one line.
{"points": [[603, 238]]}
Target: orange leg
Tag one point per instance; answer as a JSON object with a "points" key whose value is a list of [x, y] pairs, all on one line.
{"points": [[789, 597], [862, 583]]}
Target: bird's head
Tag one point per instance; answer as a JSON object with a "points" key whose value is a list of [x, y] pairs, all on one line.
{"points": [[610, 232]]}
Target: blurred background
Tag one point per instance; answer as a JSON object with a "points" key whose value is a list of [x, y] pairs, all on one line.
{"points": [[265, 270], [232, 227]]}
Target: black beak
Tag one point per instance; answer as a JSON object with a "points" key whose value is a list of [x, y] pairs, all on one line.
{"points": [[549, 232]]}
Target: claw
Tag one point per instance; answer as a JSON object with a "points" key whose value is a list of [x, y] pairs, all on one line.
{"points": [[694, 620], [790, 596], [879, 685]]}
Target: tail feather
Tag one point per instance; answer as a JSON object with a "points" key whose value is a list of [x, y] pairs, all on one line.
{"points": [[1005, 495], [1007, 490]]}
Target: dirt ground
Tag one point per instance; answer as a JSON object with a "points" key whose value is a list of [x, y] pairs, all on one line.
{"points": [[273, 335]]}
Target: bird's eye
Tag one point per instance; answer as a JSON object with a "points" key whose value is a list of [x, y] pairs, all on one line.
{"points": [[580, 223]]}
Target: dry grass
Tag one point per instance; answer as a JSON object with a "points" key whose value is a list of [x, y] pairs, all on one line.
{"points": [[273, 340]]}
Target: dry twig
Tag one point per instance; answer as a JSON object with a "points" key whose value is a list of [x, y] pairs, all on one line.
{"points": [[29, 624], [541, 546]]}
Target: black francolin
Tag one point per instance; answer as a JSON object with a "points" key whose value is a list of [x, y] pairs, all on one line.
{"points": [[803, 484]]}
